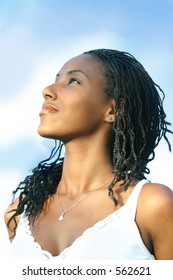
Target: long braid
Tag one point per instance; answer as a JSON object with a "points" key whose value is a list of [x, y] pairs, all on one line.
{"points": [[141, 120], [37, 187]]}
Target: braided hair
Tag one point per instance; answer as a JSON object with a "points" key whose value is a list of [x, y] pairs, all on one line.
{"points": [[140, 125], [141, 120]]}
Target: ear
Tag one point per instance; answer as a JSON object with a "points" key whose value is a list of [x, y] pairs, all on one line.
{"points": [[110, 115]]}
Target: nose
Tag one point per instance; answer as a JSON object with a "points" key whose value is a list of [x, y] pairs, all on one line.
{"points": [[49, 93]]}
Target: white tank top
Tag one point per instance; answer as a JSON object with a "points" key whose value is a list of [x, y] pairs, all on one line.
{"points": [[116, 237]]}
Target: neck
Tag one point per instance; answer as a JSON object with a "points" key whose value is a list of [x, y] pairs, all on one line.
{"points": [[85, 167]]}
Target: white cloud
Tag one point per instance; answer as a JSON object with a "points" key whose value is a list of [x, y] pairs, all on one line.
{"points": [[19, 113], [9, 180], [101, 39], [19, 110]]}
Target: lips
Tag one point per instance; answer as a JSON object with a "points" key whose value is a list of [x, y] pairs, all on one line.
{"points": [[48, 108]]}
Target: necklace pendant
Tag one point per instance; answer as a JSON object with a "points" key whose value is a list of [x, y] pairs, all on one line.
{"points": [[61, 217]]}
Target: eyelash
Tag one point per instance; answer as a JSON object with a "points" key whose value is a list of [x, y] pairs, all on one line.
{"points": [[73, 80]]}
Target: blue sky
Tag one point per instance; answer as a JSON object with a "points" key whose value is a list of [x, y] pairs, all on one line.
{"points": [[38, 36]]}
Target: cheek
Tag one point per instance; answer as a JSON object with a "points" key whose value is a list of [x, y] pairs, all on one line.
{"points": [[86, 117], [84, 110], [75, 117]]}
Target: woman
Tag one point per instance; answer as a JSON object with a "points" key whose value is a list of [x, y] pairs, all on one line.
{"points": [[95, 202]]}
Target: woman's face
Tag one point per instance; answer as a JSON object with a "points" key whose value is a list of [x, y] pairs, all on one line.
{"points": [[76, 103]]}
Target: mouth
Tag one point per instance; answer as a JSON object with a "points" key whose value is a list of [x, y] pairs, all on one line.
{"points": [[48, 108]]}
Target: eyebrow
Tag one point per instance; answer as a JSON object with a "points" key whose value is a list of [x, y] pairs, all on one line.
{"points": [[74, 71]]}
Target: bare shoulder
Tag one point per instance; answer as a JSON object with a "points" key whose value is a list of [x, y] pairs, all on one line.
{"points": [[156, 201], [155, 214], [8, 214], [156, 196]]}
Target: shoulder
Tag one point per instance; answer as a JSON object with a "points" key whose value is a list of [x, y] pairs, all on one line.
{"points": [[155, 216], [8, 214], [155, 200], [156, 196]]}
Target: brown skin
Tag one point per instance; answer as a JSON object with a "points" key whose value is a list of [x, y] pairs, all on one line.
{"points": [[83, 123]]}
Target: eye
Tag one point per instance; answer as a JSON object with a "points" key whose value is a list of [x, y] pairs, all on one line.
{"points": [[73, 81]]}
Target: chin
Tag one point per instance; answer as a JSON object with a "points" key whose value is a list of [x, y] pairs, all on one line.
{"points": [[45, 133]]}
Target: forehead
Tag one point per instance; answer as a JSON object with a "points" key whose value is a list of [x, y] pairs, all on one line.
{"points": [[86, 63]]}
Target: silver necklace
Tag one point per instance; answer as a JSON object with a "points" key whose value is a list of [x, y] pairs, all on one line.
{"points": [[63, 212]]}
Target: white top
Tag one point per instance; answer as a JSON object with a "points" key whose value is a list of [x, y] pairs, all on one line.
{"points": [[116, 237]]}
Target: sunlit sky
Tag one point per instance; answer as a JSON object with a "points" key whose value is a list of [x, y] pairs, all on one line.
{"points": [[38, 36]]}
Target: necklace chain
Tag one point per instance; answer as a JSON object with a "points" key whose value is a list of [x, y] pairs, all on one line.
{"points": [[63, 212]]}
